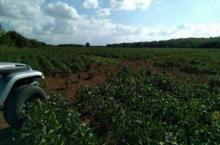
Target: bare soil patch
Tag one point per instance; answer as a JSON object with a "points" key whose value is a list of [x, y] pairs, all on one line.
{"points": [[172, 71], [3, 124], [69, 84]]}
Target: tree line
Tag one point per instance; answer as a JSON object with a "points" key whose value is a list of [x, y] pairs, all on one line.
{"points": [[212, 42], [15, 39]]}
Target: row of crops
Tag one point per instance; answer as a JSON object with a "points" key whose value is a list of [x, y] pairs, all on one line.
{"points": [[50, 62], [66, 60], [203, 61], [131, 108]]}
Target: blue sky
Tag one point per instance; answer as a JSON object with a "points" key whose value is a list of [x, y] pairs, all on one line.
{"points": [[111, 21]]}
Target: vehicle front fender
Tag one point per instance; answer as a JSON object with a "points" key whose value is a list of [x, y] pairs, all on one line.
{"points": [[7, 82]]}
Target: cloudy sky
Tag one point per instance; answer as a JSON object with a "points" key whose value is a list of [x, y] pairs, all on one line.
{"points": [[110, 21]]}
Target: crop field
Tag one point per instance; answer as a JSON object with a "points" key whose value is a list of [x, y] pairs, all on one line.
{"points": [[122, 96], [66, 60]]}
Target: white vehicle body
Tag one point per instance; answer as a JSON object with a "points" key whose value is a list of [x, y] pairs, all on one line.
{"points": [[12, 74]]}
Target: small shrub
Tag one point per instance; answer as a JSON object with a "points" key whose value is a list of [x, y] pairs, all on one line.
{"points": [[53, 122]]}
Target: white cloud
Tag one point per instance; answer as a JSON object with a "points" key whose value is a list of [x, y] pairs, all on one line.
{"points": [[62, 10], [26, 17], [130, 4], [199, 30], [91, 4], [21, 9], [61, 23], [63, 27], [103, 12]]}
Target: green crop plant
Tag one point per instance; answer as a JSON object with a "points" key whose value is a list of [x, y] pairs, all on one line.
{"points": [[145, 108], [55, 122]]}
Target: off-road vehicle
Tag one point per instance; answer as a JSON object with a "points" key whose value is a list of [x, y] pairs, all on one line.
{"points": [[18, 85]]}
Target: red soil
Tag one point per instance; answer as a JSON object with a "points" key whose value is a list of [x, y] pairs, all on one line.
{"points": [[173, 71], [3, 124], [68, 85]]}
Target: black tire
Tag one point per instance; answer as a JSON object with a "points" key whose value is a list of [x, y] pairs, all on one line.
{"points": [[15, 103]]}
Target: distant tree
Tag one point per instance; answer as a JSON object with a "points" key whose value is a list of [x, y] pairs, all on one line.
{"points": [[2, 31], [87, 44]]}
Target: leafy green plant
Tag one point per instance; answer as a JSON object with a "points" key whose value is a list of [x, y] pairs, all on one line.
{"points": [[214, 83], [145, 108], [54, 122]]}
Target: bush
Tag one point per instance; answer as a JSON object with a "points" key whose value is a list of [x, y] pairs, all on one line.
{"points": [[87, 44], [53, 122]]}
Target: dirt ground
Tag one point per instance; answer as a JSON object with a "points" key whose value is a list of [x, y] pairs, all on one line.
{"points": [[3, 124], [5, 132], [68, 85], [172, 71]]}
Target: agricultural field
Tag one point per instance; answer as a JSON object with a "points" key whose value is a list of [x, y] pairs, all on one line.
{"points": [[122, 96]]}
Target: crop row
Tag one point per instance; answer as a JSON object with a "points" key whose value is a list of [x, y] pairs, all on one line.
{"points": [[144, 108], [50, 63], [64, 60], [200, 62], [53, 122]]}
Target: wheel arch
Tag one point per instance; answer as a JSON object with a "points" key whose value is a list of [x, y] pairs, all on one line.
{"points": [[15, 103], [14, 80]]}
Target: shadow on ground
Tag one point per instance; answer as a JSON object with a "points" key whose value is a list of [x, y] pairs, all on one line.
{"points": [[5, 132], [6, 136]]}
